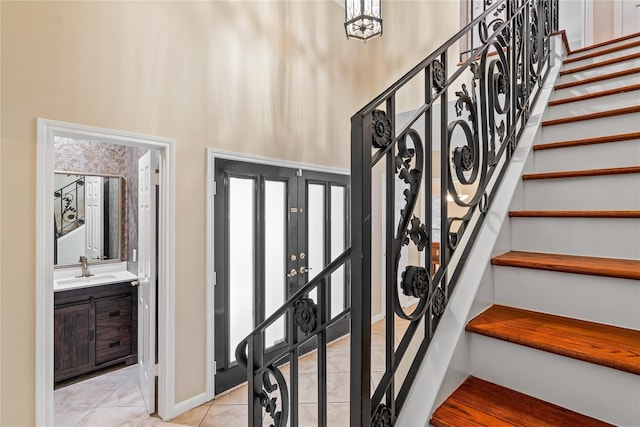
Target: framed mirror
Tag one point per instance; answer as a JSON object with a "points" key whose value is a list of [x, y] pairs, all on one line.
{"points": [[88, 217]]}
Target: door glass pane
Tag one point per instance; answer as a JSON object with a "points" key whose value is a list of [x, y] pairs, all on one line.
{"points": [[275, 245], [241, 265], [337, 225], [315, 227]]}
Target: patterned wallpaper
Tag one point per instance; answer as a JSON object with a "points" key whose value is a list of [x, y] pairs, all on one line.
{"points": [[133, 154], [91, 157]]}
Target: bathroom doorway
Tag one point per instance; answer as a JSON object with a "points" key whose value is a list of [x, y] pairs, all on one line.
{"points": [[161, 376]]}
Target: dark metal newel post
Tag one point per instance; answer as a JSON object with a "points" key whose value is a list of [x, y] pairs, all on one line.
{"points": [[360, 403]]}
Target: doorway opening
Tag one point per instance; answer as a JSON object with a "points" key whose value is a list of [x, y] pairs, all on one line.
{"points": [[162, 367], [273, 226]]}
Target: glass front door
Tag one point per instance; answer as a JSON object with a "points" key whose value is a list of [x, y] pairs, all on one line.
{"points": [[275, 228]]}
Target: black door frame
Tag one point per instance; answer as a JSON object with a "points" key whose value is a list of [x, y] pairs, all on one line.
{"points": [[228, 374]]}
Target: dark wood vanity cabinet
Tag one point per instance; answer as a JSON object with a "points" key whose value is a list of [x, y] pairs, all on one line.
{"points": [[94, 328], [74, 348]]}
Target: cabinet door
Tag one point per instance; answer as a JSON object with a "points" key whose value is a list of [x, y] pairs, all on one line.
{"points": [[113, 328], [74, 345]]}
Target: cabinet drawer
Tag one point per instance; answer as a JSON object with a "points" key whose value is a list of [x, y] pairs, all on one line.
{"points": [[112, 310], [113, 345], [113, 328]]}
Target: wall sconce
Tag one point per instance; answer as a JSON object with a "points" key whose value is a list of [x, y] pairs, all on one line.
{"points": [[363, 19]]}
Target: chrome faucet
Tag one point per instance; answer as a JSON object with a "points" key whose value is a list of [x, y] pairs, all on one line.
{"points": [[85, 271]]}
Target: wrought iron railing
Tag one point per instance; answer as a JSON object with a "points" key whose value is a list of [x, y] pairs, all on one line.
{"points": [[458, 135], [69, 207], [464, 146], [270, 394]]}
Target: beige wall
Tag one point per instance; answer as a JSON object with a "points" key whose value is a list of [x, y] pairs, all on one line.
{"points": [[277, 79], [603, 21]]}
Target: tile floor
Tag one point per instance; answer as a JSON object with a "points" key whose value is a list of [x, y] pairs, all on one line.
{"points": [[114, 399]]}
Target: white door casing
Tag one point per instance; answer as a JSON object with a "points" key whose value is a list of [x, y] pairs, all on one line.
{"points": [[47, 130], [94, 217], [146, 279], [626, 17]]}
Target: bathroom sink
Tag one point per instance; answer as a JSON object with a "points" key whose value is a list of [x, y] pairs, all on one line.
{"points": [[69, 278], [78, 282]]}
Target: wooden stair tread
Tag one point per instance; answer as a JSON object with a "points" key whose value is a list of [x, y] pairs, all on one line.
{"points": [[594, 266], [588, 141], [605, 43], [593, 116], [602, 52], [594, 95], [574, 214], [481, 403], [600, 78], [610, 346], [582, 173], [601, 64]]}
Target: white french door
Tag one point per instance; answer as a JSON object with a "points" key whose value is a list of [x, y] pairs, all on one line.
{"points": [[147, 279], [94, 217]]}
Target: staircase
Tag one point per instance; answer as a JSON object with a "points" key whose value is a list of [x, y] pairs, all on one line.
{"points": [[561, 344]]}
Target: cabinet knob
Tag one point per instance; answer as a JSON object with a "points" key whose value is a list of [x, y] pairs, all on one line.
{"points": [[135, 283]]}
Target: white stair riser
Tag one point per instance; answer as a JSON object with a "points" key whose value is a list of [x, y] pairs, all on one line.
{"points": [[598, 71], [595, 105], [595, 156], [624, 123], [596, 87], [610, 192], [605, 47], [599, 392], [597, 237], [607, 300], [599, 58]]}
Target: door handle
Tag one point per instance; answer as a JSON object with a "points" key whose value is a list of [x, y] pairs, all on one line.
{"points": [[292, 273], [304, 270], [135, 283]]}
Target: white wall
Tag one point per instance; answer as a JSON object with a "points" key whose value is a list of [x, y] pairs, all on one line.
{"points": [[70, 245]]}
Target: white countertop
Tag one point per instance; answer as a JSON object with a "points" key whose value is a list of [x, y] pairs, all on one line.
{"points": [[65, 279]]}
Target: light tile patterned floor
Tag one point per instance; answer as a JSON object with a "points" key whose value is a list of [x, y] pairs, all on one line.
{"points": [[114, 399]]}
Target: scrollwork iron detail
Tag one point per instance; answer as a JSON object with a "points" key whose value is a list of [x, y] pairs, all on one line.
{"points": [[409, 163], [413, 178], [381, 129], [492, 22], [305, 314], [268, 402], [415, 281], [439, 75], [382, 417], [438, 302], [418, 234], [463, 158]]}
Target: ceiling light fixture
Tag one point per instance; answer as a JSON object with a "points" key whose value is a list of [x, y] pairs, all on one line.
{"points": [[363, 19]]}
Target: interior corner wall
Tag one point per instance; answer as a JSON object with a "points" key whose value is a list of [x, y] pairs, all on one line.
{"points": [[571, 16], [603, 20], [276, 79]]}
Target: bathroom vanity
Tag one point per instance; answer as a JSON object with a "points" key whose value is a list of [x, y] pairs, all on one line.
{"points": [[95, 325]]}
